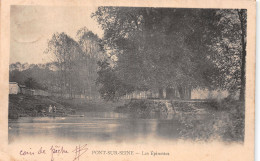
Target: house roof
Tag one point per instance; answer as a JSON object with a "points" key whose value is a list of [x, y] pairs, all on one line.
{"points": [[20, 85], [13, 83]]}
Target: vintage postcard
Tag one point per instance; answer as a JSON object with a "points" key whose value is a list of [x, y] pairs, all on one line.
{"points": [[127, 80]]}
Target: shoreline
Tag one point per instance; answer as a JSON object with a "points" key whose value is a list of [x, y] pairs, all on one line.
{"points": [[37, 106]]}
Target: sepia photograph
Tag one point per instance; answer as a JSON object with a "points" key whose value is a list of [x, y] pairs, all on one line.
{"points": [[115, 79], [167, 73]]}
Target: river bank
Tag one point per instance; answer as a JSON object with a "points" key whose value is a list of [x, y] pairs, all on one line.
{"points": [[200, 120], [37, 106], [196, 120]]}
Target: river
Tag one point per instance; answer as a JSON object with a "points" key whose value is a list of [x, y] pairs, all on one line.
{"points": [[99, 126]]}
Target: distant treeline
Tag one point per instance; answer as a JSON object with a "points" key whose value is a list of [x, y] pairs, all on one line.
{"points": [[34, 76]]}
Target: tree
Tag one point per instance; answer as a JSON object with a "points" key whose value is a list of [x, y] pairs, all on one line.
{"points": [[243, 25], [229, 51], [76, 61], [32, 83], [66, 53], [92, 53], [153, 48], [40, 73], [111, 88]]}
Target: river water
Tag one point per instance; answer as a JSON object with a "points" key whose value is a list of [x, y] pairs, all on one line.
{"points": [[94, 126]]}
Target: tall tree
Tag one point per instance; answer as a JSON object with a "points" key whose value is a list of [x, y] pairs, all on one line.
{"points": [[243, 25], [153, 49], [229, 51], [92, 53], [66, 52]]}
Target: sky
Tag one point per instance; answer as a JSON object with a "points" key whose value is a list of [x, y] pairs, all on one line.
{"points": [[33, 26]]}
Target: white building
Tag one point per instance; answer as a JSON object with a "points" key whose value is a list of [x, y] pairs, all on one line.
{"points": [[14, 88]]}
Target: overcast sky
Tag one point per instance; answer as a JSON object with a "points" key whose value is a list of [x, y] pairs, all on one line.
{"points": [[32, 26]]}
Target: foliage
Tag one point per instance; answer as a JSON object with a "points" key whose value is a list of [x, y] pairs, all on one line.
{"points": [[32, 83], [111, 88], [146, 49], [66, 52], [76, 61], [175, 48], [73, 69], [152, 48], [228, 50], [226, 123], [43, 74], [92, 53]]}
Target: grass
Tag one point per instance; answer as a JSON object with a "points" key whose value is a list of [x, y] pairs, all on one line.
{"points": [[25, 105], [223, 120]]}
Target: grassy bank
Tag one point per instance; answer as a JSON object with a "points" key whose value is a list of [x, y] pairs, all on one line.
{"points": [[227, 122], [223, 120], [25, 105]]}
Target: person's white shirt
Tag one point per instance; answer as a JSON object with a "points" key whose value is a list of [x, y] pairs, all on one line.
{"points": [[50, 108]]}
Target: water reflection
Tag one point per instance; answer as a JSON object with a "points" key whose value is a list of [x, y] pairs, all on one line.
{"points": [[111, 126], [94, 125]]}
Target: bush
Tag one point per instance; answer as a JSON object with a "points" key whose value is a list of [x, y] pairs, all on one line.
{"points": [[143, 108]]}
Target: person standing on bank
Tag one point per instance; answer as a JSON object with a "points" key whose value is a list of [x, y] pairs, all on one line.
{"points": [[54, 109], [50, 109]]}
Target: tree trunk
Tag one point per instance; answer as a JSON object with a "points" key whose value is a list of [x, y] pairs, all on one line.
{"points": [[169, 93], [181, 92], [187, 92], [61, 82], [242, 14], [84, 91], [160, 93]]}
